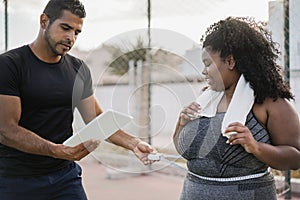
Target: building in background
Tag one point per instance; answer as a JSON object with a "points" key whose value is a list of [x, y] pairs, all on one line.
{"points": [[276, 25], [192, 65]]}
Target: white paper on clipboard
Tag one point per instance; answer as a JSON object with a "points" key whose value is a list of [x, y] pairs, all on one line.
{"points": [[100, 128]]}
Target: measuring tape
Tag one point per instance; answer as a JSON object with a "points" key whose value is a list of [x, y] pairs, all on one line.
{"points": [[162, 157]]}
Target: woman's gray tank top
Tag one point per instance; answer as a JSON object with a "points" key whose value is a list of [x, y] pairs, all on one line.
{"points": [[208, 154]]}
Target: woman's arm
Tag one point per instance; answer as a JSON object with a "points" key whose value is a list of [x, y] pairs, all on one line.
{"points": [[185, 116], [284, 128]]}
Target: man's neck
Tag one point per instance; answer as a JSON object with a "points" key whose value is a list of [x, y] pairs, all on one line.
{"points": [[43, 53]]}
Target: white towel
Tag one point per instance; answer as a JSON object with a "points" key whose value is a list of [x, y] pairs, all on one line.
{"points": [[238, 109]]}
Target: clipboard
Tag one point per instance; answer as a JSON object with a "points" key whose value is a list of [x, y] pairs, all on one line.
{"points": [[100, 128]]}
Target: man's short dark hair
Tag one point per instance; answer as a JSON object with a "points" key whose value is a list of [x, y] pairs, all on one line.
{"points": [[54, 9]]}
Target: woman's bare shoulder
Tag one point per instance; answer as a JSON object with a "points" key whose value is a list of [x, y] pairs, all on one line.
{"points": [[274, 110], [280, 106], [282, 122]]}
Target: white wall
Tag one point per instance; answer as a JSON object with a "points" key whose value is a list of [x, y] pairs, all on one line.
{"points": [[276, 25]]}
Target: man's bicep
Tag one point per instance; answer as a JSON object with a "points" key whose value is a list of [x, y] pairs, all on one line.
{"points": [[10, 110], [89, 108]]}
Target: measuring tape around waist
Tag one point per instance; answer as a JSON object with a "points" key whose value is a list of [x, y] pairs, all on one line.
{"points": [[162, 157]]}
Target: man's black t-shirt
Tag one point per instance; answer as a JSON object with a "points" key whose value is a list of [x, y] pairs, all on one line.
{"points": [[48, 93]]}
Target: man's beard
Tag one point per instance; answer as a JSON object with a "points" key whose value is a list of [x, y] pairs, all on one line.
{"points": [[52, 44]]}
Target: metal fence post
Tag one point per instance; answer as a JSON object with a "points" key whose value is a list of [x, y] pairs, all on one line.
{"points": [[287, 72], [6, 24]]}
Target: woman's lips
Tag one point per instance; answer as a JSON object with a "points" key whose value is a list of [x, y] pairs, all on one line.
{"points": [[209, 81]]}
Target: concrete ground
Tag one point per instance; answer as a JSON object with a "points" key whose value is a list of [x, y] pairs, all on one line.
{"points": [[104, 183]]}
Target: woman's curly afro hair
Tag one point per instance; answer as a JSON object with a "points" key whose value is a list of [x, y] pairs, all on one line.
{"points": [[254, 52]]}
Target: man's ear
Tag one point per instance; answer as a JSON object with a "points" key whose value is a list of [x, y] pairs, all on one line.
{"points": [[230, 61], [44, 19]]}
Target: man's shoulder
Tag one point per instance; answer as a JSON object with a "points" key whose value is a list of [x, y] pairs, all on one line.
{"points": [[14, 59], [18, 50], [77, 63], [74, 60], [15, 54]]}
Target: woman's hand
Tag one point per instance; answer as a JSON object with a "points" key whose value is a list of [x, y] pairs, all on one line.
{"points": [[189, 113], [243, 137]]}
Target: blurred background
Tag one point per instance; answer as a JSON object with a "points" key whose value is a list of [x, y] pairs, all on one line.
{"points": [[145, 59]]}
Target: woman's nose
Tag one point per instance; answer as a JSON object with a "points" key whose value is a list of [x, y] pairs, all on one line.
{"points": [[204, 71]]}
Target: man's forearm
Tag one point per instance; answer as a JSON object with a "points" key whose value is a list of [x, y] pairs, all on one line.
{"points": [[125, 140], [24, 140]]}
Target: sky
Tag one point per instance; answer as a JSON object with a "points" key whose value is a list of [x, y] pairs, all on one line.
{"points": [[172, 20]]}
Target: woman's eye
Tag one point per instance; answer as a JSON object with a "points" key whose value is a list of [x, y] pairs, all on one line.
{"points": [[207, 65]]}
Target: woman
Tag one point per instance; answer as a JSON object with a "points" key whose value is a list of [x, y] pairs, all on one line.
{"points": [[237, 167]]}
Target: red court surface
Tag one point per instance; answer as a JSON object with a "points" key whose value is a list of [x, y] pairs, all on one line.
{"points": [[127, 187], [103, 183]]}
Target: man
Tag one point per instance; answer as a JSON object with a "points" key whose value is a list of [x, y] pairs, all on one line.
{"points": [[40, 86]]}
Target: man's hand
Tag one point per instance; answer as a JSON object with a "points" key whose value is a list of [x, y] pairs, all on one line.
{"points": [[142, 150], [77, 152]]}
